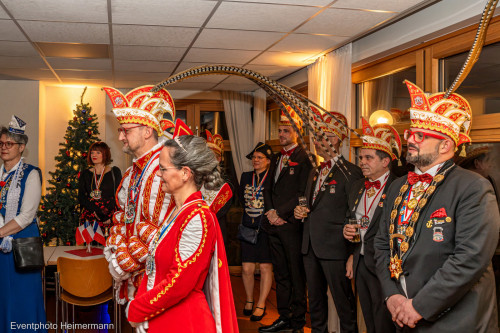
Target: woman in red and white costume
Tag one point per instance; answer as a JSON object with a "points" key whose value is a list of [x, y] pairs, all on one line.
{"points": [[186, 286]]}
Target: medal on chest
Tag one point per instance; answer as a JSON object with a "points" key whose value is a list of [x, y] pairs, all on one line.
{"points": [[129, 213], [365, 222], [95, 194], [409, 212], [370, 192]]}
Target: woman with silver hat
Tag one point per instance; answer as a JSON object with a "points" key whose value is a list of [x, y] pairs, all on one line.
{"points": [[21, 299]]}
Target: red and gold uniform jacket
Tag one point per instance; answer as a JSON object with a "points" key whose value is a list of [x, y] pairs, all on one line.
{"points": [[188, 287], [127, 245]]}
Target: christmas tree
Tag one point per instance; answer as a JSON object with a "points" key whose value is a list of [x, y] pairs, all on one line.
{"points": [[59, 211]]}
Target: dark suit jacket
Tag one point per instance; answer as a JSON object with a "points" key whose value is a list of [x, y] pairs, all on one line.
{"points": [[355, 197], [324, 224], [283, 194], [450, 281]]}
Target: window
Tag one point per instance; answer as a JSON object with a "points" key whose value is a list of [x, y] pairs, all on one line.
{"points": [[387, 93], [481, 88]]}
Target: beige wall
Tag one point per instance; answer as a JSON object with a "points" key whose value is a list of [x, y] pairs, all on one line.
{"points": [[55, 113], [21, 98], [48, 109]]}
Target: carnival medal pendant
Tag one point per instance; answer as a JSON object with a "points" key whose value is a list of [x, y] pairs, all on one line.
{"points": [[371, 192], [150, 264], [129, 213], [365, 222], [95, 194], [395, 267], [255, 203]]}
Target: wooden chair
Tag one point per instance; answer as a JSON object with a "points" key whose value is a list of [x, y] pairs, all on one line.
{"points": [[84, 283]]}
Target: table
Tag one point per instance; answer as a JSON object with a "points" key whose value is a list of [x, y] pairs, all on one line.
{"points": [[51, 253]]}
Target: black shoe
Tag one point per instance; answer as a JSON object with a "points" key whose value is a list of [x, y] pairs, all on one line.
{"points": [[247, 312], [278, 326], [258, 318]]}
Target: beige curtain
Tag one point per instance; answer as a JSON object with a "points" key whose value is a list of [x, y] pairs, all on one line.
{"points": [[237, 108], [259, 116], [329, 85]]}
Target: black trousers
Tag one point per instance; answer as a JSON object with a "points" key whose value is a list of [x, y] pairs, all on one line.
{"points": [[285, 243], [377, 316], [321, 274]]}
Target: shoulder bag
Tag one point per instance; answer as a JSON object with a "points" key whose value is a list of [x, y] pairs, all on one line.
{"points": [[28, 253]]}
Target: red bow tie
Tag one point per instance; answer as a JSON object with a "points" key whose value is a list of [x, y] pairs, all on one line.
{"points": [[414, 178], [369, 184], [327, 164]]}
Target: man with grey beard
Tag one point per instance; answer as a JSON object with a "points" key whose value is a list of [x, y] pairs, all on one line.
{"points": [[439, 228]]}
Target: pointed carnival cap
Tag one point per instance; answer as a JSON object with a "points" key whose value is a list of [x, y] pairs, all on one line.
{"points": [[381, 137], [215, 143], [181, 129], [450, 116], [17, 125], [141, 106], [331, 125], [284, 121]]}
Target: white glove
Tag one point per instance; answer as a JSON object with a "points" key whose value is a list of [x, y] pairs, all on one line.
{"points": [[116, 272], [108, 251], [6, 245], [143, 327]]}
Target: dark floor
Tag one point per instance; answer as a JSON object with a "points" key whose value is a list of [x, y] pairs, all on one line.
{"points": [[97, 314]]}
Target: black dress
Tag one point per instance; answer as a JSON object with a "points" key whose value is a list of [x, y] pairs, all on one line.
{"points": [[252, 198], [106, 205]]}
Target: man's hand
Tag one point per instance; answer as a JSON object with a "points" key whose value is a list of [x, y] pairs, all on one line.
{"points": [[393, 303], [407, 315], [348, 267], [279, 221], [272, 216], [350, 231], [300, 212]]}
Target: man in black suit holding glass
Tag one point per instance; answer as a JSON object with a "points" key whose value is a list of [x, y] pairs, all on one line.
{"points": [[324, 248], [288, 172]]}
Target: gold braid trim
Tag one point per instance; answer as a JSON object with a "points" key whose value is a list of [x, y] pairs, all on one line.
{"points": [[182, 265]]}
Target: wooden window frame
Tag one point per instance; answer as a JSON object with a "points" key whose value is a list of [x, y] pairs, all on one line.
{"points": [[194, 107], [425, 57]]}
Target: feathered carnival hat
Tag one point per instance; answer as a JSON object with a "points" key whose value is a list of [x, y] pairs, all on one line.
{"points": [[215, 143], [328, 124], [141, 106], [284, 121], [381, 137], [450, 116]]}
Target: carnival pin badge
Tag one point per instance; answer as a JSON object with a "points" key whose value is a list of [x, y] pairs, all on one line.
{"points": [[332, 186], [438, 217], [381, 202], [292, 164], [437, 236]]}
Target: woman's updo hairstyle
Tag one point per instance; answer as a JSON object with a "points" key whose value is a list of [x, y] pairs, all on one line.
{"points": [[192, 151]]}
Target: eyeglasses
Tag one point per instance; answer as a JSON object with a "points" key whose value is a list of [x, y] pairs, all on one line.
{"points": [[419, 137], [125, 130], [8, 144], [162, 169], [258, 157]]}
